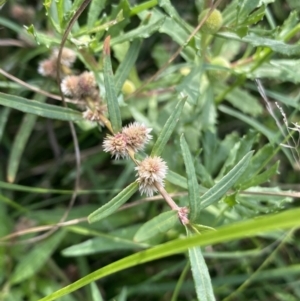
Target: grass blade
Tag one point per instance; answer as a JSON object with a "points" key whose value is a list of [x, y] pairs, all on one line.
{"points": [[18, 146], [200, 273], [38, 108], [33, 261], [3, 119], [111, 92], [284, 220]]}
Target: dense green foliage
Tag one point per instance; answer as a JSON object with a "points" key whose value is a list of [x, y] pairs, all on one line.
{"points": [[220, 91]]}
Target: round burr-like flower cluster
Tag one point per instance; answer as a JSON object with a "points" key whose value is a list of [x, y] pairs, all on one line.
{"points": [[151, 171], [80, 86], [134, 136], [48, 67]]}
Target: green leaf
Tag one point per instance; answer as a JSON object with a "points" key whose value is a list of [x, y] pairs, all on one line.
{"points": [[41, 38], [284, 220], [95, 9], [256, 41], [111, 92], [36, 258], [200, 273], [18, 146], [245, 102], [140, 32], [38, 108], [218, 190], [99, 245], [257, 163], [127, 64], [193, 187], [113, 204], [261, 178], [157, 225], [244, 8], [251, 121], [167, 130], [176, 179], [3, 120]]}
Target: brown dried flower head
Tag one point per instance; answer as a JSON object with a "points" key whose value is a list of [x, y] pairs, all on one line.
{"points": [[95, 114], [116, 145], [151, 170], [137, 135]]}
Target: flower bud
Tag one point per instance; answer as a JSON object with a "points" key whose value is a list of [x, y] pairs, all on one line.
{"points": [[128, 87], [219, 74], [213, 23]]}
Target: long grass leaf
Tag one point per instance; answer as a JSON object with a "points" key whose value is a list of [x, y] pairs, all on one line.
{"points": [[284, 220]]}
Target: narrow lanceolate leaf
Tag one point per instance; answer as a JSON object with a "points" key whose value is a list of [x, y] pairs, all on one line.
{"points": [[193, 187], [18, 146], [95, 9], [113, 204], [158, 225], [284, 220], [218, 191], [261, 178], [127, 64], [3, 119], [200, 273], [167, 130], [98, 245], [38, 108], [36, 258], [111, 92], [256, 41]]}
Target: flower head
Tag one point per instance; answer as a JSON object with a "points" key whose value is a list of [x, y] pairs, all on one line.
{"points": [[95, 114], [69, 86], [87, 84], [68, 56], [48, 67], [137, 135], [116, 145], [151, 170]]}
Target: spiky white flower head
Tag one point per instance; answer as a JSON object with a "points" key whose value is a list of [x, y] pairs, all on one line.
{"points": [[68, 56], [151, 170], [116, 145], [137, 135], [48, 67], [69, 86]]}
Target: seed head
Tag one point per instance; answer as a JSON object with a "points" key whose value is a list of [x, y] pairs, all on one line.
{"points": [[68, 56], [87, 84], [95, 115], [69, 86], [116, 145], [137, 135], [151, 170], [47, 67]]}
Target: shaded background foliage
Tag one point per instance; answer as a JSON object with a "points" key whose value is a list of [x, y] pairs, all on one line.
{"points": [[38, 162]]}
